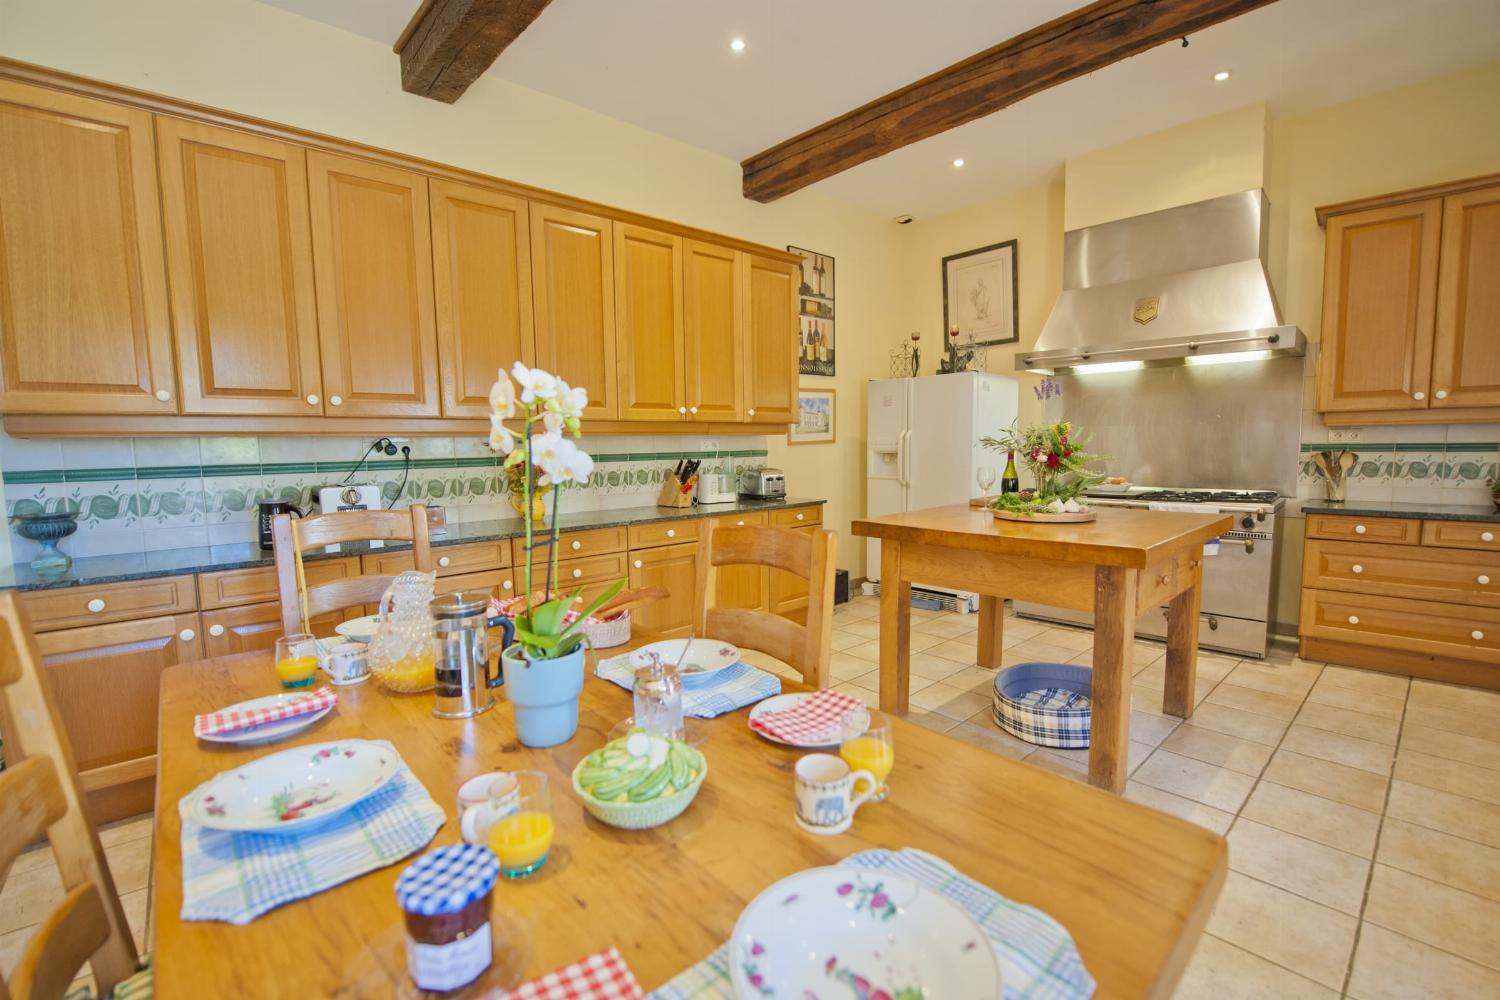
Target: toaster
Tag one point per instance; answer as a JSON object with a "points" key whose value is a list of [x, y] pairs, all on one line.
{"points": [[762, 484]]}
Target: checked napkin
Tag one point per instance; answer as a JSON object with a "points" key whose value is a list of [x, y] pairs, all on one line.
{"points": [[601, 976], [734, 687], [231, 720], [814, 721]]}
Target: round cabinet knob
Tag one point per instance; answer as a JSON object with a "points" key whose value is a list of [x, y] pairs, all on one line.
{"points": [[186, 635], [1476, 635], [1354, 619], [750, 412], [1483, 580], [637, 564], [682, 409], [671, 532], [801, 516], [444, 561], [693, 410], [739, 524], [163, 395], [507, 585], [1357, 568], [1359, 529], [1419, 396], [216, 630], [336, 400], [1486, 536], [1440, 394], [96, 605], [576, 546], [577, 573], [312, 399]]}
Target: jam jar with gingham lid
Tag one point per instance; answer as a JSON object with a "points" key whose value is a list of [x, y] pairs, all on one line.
{"points": [[446, 896]]}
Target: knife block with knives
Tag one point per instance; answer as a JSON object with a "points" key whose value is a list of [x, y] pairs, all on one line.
{"points": [[677, 488]]}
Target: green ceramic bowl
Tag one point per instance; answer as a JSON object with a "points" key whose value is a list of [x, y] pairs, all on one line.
{"points": [[641, 815]]}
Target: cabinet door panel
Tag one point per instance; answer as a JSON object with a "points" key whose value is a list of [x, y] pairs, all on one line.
{"points": [[1466, 348], [741, 586], [239, 251], [788, 591], [770, 340], [372, 258], [648, 322], [674, 567], [84, 321], [257, 627], [481, 255], [572, 273], [714, 339], [1379, 297]]}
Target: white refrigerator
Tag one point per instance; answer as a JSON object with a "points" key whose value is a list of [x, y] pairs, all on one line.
{"points": [[924, 449]]}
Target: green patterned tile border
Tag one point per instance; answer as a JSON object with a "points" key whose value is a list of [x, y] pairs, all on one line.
{"points": [[1469, 447]]}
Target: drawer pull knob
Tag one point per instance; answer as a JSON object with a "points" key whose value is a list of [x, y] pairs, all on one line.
{"points": [[1486, 536], [163, 395], [739, 524], [671, 532], [186, 635], [336, 400], [312, 399], [751, 411], [1163, 580], [1354, 619], [576, 546], [1441, 394], [1419, 396], [444, 561], [577, 573], [1359, 529], [507, 585], [693, 410], [1476, 635], [1484, 581], [96, 605], [216, 630], [801, 516], [682, 409], [637, 564], [1357, 568]]}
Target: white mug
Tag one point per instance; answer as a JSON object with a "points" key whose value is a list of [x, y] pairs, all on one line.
{"points": [[346, 663], [825, 793], [485, 800]]}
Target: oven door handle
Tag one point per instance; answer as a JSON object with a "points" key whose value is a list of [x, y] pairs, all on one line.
{"points": [[1248, 543]]}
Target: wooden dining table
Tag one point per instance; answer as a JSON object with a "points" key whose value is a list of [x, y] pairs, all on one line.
{"points": [[1118, 566], [1133, 886]]}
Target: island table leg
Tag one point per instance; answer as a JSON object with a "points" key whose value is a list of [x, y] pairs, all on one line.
{"points": [[1114, 648], [991, 630], [895, 630], [1182, 649]]}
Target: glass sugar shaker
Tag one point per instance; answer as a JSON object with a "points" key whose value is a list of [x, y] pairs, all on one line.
{"points": [[658, 698]]}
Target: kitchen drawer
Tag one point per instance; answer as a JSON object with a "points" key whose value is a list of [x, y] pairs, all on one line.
{"points": [[647, 536], [1462, 535], [740, 520], [1352, 528], [1452, 630], [447, 560], [232, 588], [1420, 572], [579, 572], [252, 627], [592, 542], [491, 581], [796, 517], [109, 602]]}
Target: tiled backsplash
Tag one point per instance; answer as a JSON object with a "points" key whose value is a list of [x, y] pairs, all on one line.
{"points": [[160, 493]]}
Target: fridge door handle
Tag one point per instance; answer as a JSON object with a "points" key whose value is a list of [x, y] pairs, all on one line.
{"points": [[903, 458]]}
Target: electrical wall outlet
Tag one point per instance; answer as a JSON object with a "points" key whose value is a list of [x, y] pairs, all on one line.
{"points": [[1347, 433]]}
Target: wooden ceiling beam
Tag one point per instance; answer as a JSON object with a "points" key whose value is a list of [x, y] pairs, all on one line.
{"points": [[1070, 46], [450, 43]]}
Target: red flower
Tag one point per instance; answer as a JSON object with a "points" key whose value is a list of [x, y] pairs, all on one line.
{"points": [[879, 900], [755, 980], [880, 995], [1067, 453], [757, 948], [1051, 461], [828, 965], [846, 888], [861, 985]]}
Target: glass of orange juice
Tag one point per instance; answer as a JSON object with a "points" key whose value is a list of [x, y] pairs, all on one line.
{"points": [[869, 744], [296, 661], [522, 840]]}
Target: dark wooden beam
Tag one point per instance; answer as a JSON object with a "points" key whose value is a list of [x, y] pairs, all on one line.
{"points": [[1073, 45], [449, 43]]}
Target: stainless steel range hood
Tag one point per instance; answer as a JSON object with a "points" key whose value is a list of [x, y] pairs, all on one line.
{"points": [[1183, 283]]}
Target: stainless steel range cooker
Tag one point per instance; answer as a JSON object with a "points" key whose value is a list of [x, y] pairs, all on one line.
{"points": [[1239, 573]]}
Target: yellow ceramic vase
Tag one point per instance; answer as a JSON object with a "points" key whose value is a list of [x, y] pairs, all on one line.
{"points": [[538, 505]]}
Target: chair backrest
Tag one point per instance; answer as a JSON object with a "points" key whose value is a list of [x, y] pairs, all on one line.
{"points": [[808, 554], [301, 603], [40, 794]]}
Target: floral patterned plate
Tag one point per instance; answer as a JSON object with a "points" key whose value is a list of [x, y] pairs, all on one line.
{"points": [[286, 791], [705, 657], [860, 935]]}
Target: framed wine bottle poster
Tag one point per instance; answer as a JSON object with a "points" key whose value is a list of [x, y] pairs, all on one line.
{"points": [[815, 313]]}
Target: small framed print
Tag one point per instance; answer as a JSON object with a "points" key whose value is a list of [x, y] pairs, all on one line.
{"points": [[979, 296], [816, 415]]}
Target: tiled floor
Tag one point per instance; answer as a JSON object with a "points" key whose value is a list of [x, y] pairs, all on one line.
{"points": [[1362, 810]]}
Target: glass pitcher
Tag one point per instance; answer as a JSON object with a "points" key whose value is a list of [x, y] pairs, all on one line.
{"points": [[400, 654]]}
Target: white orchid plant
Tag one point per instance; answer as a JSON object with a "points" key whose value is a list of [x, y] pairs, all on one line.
{"points": [[550, 411]]}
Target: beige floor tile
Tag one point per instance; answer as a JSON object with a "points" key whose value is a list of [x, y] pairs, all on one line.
{"points": [[1147, 697], [1277, 679], [12, 943], [1218, 748], [1454, 746], [980, 733], [1234, 722], [1455, 814], [1348, 785], [1441, 695], [1048, 761], [1483, 725], [931, 720], [1314, 817], [130, 864], [28, 897], [1306, 937], [869, 628], [977, 679], [1275, 706], [843, 667], [843, 640], [945, 699], [1154, 675], [1216, 820], [1078, 760], [963, 652], [1033, 651], [1442, 916], [1227, 972], [1213, 786], [1368, 681], [859, 608], [1151, 729], [1380, 705], [1067, 638], [1441, 857], [869, 649], [1390, 966], [1348, 750], [134, 905], [946, 628], [1448, 775], [1333, 719], [870, 696], [1017, 629], [1321, 873], [125, 830], [36, 856], [931, 667]]}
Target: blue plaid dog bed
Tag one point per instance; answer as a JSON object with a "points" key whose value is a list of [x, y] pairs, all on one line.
{"points": [[1044, 703]]}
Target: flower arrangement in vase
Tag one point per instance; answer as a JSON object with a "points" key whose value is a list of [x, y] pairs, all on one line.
{"points": [[543, 668], [1059, 463]]}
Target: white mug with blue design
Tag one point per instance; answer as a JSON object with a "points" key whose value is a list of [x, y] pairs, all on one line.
{"points": [[825, 793]]}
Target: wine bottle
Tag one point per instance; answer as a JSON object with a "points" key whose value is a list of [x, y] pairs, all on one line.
{"points": [[1010, 482]]}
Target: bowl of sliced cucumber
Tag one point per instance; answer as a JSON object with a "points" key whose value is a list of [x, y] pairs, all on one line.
{"points": [[639, 780]]}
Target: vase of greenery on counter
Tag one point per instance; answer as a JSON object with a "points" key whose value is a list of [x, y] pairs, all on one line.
{"points": [[543, 669], [1059, 464]]}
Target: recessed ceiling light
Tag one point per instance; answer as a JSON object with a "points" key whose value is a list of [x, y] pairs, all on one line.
{"points": [[737, 44], [1221, 75], [958, 162]]}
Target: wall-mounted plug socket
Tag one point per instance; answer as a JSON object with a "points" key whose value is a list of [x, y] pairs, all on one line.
{"points": [[1347, 433]]}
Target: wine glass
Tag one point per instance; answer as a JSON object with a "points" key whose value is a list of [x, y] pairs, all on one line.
{"points": [[985, 476]]}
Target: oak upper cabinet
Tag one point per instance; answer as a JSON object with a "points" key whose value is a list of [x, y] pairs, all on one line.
{"points": [[770, 307], [648, 323], [239, 254], [674, 567], [372, 261], [1380, 273], [84, 320], [714, 344], [481, 258], [573, 286], [1466, 342]]}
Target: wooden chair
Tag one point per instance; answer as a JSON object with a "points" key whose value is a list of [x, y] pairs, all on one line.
{"points": [[292, 538], [807, 554], [40, 794]]}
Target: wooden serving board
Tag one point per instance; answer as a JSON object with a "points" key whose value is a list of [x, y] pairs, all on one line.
{"points": [[1005, 515]]}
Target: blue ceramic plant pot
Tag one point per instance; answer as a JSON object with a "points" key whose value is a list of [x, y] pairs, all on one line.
{"points": [[545, 695]]}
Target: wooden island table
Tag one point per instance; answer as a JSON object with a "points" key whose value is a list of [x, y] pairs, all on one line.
{"points": [[1133, 886], [1119, 567]]}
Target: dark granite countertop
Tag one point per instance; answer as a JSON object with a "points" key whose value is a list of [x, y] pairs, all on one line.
{"points": [[1394, 508], [170, 562]]}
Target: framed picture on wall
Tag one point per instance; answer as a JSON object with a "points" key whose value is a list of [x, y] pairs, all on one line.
{"points": [[815, 313], [979, 296], [815, 418]]}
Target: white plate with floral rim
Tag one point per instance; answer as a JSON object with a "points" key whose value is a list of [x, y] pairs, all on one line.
{"points": [[294, 788], [359, 629], [851, 933], [267, 731], [703, 657]]}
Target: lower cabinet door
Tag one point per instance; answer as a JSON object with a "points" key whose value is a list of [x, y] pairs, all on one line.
{"points": [[788, 594], [674, 567], [741, 586], [255, 627]]}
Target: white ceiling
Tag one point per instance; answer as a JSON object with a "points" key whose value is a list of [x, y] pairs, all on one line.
{"points": [[666, 65]]}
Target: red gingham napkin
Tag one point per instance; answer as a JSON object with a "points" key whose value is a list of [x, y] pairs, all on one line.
{"points": [[601, 976], [813, 721], [230, 719]]}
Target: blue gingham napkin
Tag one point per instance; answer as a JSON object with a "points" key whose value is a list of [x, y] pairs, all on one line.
{"points": [[235, 877], [734, 687], [1038, 959]]}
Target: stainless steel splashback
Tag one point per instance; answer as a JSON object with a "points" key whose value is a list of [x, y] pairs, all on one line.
{"points": [[1227, 426]]}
